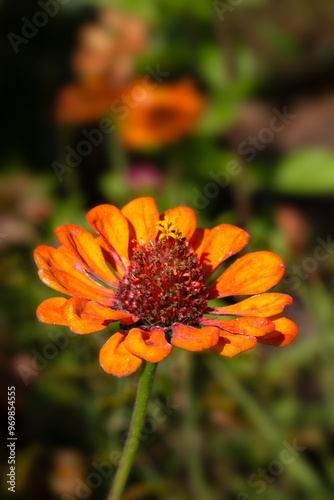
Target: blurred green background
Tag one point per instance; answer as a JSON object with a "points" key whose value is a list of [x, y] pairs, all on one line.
{"points": [[259, 155]]}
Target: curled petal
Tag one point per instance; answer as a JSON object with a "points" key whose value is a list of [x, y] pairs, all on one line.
{"points": [[51, 281], [143, 217], [184, 219], [256, 327], [285, 331], [112, 226], [64, 263], [73, 313], [59, 258], [67, 283], [107, 253], [49, 311], [218, 244], [85, 316], [150, 345], [251, 274], [95, 310], [263, 305], [116, 359], [87, 250], [194, 339], [230, 345]]}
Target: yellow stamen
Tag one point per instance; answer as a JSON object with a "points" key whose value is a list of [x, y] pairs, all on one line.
{"points": [[167, 228]]}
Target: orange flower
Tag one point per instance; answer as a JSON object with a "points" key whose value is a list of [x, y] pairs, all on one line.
{"points": [[102, 64], [84, 102], [159, 115], [149, 273]]}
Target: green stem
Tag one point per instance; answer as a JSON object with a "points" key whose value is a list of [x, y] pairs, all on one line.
{"points": [[138, 416]]}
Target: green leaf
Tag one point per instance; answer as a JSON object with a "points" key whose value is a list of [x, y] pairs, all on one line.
{"points": [[306, 172]]}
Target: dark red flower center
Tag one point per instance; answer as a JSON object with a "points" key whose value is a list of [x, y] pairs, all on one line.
{"points": [[164, 283]]}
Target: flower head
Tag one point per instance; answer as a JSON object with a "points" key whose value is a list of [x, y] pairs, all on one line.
{"points": [[160, 114], [150, 273]]}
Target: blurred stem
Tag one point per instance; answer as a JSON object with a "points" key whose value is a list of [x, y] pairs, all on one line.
{"points": [[117, 154], [318, 301], [243, 195], [138, 416], [301, 472], [198, 482]]}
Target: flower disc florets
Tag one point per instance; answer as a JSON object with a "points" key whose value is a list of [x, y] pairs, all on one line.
{"points": [[164, 283]]}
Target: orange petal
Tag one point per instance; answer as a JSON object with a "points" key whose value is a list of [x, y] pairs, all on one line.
{"points": [[253, 273], [62, 259], [184, 218], [87, 250], [194, 339], [95, 310], [49, 311], [218, 244], [198, 238], [116, 359], [143, 217], [112, 226], [85, 316], [285, 331], [230, 345], [51, 281], [264, 305], [255, 327], [105, 249], [73, 314], [67, 283], [150, 345]]}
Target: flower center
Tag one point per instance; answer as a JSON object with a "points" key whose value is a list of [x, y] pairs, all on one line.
{"points": [[164, 282]]}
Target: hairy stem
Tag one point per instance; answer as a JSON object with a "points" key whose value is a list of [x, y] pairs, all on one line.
{"points": [[138, 416]]}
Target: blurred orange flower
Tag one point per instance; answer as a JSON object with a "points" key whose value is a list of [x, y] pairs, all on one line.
{"points": [[149, 272], [107, 47], [159, 114], [78, 104], [102, 64]]}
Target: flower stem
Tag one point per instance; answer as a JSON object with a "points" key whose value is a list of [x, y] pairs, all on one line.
{"points": [[138, 416]]}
